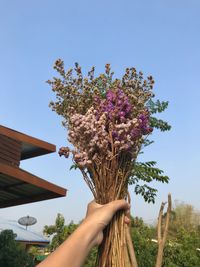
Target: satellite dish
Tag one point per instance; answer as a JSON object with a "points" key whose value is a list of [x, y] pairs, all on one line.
{"points": [[27, 221]]}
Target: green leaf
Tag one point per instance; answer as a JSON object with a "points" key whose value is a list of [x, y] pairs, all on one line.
{"points": [[157, 107], [74, 166], [159, 124], [147, 142], [147, 172], [147, 192]]}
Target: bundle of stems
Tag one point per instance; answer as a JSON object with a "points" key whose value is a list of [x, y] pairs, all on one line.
{"points": [[108, 181]]}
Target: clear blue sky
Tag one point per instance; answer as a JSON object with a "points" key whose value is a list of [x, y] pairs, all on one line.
{"points": [[161, 38]]}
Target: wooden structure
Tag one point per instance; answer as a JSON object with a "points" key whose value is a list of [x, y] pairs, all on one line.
{"points": [[18, 186]]}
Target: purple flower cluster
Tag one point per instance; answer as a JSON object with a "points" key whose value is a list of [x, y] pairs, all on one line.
{"points": [[143, 119], [116, 105]]}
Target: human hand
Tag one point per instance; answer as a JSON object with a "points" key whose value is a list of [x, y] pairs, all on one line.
{"points": [[98, 217]]}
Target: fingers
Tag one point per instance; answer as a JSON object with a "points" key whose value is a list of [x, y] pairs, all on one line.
{"points": [[127, 220], [127, 212], [115, 205], [122, 204], [112, 207], [119, 204]]}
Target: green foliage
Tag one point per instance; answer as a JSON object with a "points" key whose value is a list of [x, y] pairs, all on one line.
{"points": [[12, 254], [159, 124], [147, 142], [91, 259], [157, 106], [73, 166], [183, 252], [145, 249], [59, 231], [184, 237], [147, 172], [185, 217], [180, 251], [147, 192]]}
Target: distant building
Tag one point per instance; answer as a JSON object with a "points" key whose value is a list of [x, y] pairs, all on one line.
{"points": [[26, 237]]}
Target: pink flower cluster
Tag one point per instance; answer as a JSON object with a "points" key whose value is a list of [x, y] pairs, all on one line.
{"points": [[106, 129]]}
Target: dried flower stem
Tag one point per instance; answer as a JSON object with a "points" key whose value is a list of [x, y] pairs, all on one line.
{"points": [[162, 238]]}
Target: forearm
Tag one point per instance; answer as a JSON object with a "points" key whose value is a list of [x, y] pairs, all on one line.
{"points": [[73, 251]]}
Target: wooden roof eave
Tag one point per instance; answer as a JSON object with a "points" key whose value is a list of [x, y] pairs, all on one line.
{"points": [[50, 190], [38, 147]]}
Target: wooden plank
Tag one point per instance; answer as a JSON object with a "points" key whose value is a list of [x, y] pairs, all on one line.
{"points": [[10, 150], [9, 162], [11, 154], [9, 141], [5, 146], [9, 159], [27, 139]]}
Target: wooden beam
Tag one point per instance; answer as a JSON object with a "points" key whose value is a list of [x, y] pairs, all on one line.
{"points": [[29, 178], [27, 139], [29, 199]]}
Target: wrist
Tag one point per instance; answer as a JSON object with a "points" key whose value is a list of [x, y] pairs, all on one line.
{"points": [[89, 230]]}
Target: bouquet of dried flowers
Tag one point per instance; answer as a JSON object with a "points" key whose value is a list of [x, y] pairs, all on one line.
{"points": [[107, 120]]}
